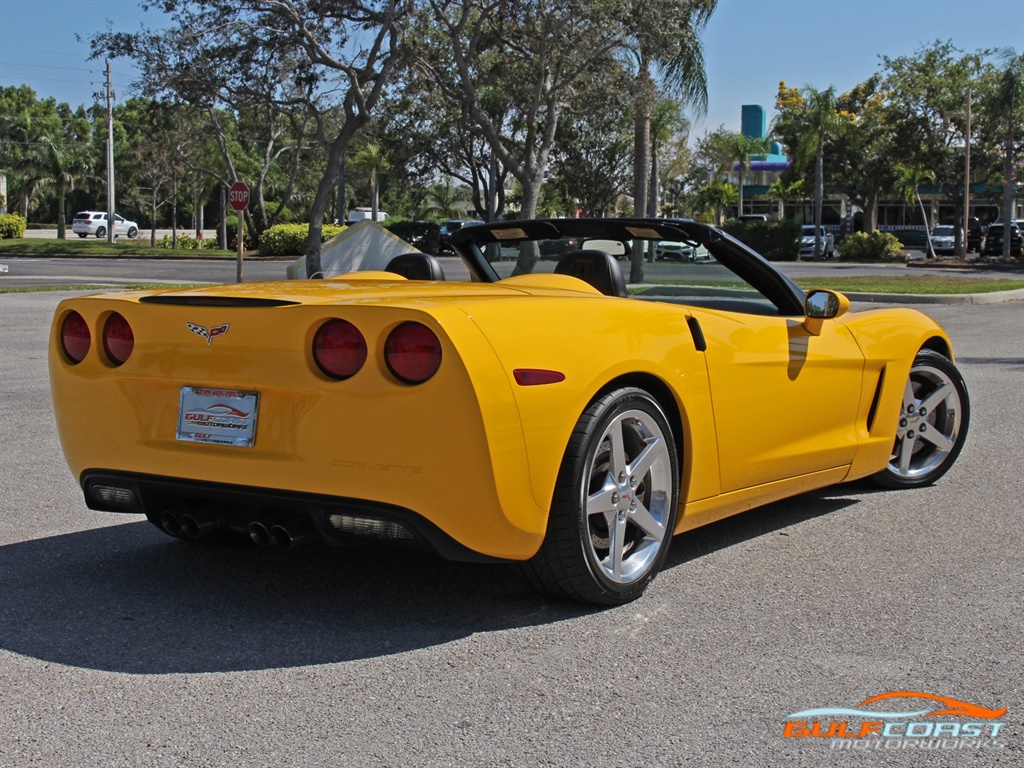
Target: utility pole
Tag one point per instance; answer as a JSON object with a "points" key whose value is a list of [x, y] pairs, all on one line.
{"points": [[110, 158], [967, 180]]}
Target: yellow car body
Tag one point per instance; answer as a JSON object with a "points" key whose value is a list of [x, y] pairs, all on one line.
{"points": [[469, 460]]}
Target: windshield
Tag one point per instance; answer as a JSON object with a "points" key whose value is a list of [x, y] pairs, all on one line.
{"points": [[683, 261], [943, 231]]}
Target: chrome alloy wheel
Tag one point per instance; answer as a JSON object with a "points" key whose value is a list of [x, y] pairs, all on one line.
{"points": [[628, 497], [932, 421]]}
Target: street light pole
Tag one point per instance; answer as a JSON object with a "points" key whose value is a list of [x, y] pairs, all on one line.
{"points": [[111, 237], [967, 180]]}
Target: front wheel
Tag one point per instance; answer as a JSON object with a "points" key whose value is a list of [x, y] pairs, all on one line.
{"points": [[101, 232], [132, 233], [615, 503], [932, 424]]}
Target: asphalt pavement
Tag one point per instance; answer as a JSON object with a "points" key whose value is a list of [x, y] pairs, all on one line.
{"points": [[122, 647]]}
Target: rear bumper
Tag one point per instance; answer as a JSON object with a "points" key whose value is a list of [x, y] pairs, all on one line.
{"points": [[333, 520]]}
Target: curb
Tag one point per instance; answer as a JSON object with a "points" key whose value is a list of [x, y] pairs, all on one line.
{"points": [[995, 297]]}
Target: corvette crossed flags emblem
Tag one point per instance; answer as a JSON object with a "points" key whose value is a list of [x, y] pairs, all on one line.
{"points": [[208, 333]]}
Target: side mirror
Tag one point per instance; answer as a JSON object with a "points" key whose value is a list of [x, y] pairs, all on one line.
{"points": [[821, 305]]}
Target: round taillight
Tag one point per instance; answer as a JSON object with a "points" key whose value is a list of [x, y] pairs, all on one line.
{"points": [[412, 352], [118, 339], [339, 349], [75, 337]]}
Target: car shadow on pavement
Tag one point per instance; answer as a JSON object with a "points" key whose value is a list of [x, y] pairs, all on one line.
{"points": [[127, 598], [760, 521]]}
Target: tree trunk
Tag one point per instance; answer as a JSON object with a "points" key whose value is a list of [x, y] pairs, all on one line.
{"points": [[62, 231], [174, 210], [739, 209], [529, 251], [342, 194], [1008, 190], [152, 218], [643, 99], [927, 229], [652, 188], [374, 207], [222, 238], [819, 195]]}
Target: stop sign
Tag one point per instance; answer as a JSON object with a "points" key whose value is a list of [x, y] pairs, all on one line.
{"points": [[238, 196]]}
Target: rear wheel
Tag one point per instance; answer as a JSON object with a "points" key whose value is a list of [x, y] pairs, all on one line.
{"points": [[614, 506], [932, 424], [81, 234]]}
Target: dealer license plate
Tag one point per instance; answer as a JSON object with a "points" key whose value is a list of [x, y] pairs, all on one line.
{"points": [[219, 416]]}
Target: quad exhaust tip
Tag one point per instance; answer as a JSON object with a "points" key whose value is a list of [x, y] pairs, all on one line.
{"points": [[285, 535]]}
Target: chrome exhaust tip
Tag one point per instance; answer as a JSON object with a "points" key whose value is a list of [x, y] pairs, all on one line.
{"points": [[170, 523], [259, 534], [197, 527], [290, 534]]}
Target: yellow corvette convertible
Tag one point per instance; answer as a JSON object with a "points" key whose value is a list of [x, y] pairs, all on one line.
{"points": [[543, 418]]}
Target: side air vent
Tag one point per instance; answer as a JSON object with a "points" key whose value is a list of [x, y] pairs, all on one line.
{"points": [[874, 400], [215, 301]]}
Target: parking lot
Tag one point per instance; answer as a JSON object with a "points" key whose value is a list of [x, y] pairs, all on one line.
{"points": [[122, 647]]}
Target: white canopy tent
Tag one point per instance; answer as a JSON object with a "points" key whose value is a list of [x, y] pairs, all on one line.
{"points": [[365, 245]]}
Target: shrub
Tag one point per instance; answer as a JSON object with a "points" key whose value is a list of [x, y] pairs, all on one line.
{"points": [[11, 226], [877, 246], [775, 240], [290, 239], [188, 242]]}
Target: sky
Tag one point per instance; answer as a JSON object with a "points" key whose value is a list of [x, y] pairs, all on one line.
{"points": [[750, 45]]}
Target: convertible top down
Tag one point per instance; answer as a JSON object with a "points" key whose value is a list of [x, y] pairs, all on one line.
{"points": [[511, 414]]}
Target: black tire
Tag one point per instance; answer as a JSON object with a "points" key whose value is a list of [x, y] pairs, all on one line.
{"points": [[132, 233], [101, 232], [582, 558], [82, 234], [927, 444]]}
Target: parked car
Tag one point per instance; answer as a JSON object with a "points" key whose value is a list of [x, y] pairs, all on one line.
{"points": [[549, 420], [944, 238], [753, 218], [673, 251], [993, 242], [446, 230], [88, 223], [828, 243], [363, 214]]}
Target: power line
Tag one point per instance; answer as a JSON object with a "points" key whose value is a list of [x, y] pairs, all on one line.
{"points": [[48, 66], [54, 80], [37, 50]]}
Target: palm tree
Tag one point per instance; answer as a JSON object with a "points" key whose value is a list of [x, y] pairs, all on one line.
{"points": [[1007, 102], [664, 36], [909, 179], [666, 121], [716, 195], [741, 149], [371, 158], [819, 121], [783, 192], [63, 163], [445, 199]]}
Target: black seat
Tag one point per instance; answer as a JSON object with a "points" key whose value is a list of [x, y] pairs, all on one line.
{"points": [[598, 268], [416, 266]]}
